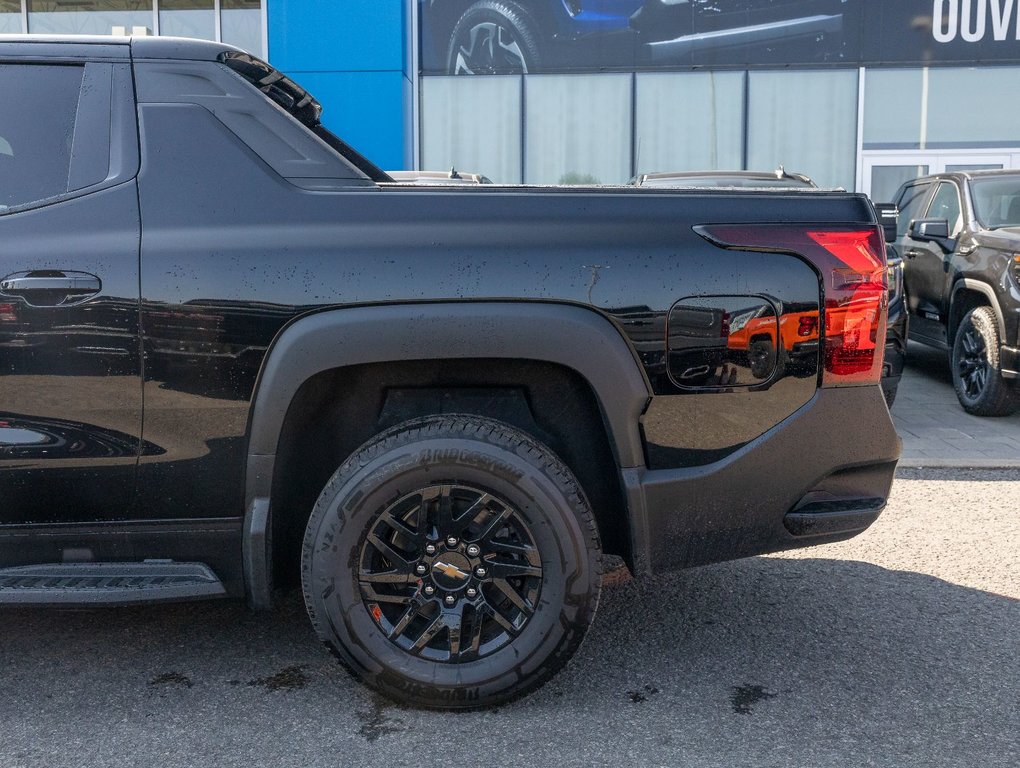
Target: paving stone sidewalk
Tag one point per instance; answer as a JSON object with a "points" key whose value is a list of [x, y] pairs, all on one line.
{"points": [[936, 431]]}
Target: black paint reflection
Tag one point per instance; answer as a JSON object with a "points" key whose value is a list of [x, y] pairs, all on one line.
{"points": [[23, 437]]}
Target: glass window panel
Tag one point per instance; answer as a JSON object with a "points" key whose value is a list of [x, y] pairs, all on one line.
{"points": [[946, 205], [689, 121], [892, 108], [909, 203], [806, 122], [10, 17], [88, 17], [974, 167], [992, 126], [997, 201], [578, 129], [35, 138], [187, 18], [241, 24], [472, 124], [886, 179]]}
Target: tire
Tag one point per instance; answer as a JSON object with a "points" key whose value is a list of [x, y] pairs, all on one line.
{"points": [[493, 37], [762, 360], [975, 366], [408, 489]]}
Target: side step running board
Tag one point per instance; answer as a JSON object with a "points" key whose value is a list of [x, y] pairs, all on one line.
{"points": [[108, 583]]}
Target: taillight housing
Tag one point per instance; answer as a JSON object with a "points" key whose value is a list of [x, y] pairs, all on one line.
{"points": [[855, 288], [807, 326]]}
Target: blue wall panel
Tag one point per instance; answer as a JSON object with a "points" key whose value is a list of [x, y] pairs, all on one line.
{"points": [[352, 56], [365, 109]]}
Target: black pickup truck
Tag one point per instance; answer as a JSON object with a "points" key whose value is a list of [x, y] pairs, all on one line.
{"points": [[234, 355]]}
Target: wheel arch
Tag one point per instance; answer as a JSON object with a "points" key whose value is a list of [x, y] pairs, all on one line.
{"points": [[569, 335], [962, 300]]}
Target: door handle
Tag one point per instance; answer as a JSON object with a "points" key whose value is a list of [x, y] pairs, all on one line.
{"points": [[914, 252], [51, 288]]}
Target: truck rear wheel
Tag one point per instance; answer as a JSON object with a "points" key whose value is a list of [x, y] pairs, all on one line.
{"points": [[452, 562], [977, 375]]}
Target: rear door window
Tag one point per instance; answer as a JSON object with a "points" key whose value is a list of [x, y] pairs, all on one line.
{"points": [[37, 120]]}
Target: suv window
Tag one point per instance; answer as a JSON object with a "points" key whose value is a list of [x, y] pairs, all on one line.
{"points": [[946, 205], [909, 203], [40, 102]]}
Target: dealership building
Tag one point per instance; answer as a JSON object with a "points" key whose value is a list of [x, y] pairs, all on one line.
{"points": [[860, 94]]}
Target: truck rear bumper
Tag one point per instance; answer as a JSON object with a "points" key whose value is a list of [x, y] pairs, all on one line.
{"points": [[821, 475]]}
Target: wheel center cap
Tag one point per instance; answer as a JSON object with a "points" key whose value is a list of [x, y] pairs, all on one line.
{"points": [[451, 570]]}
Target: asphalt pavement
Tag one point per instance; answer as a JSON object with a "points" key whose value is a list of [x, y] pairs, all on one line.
{"points": [[898, 648], [936, 431]]}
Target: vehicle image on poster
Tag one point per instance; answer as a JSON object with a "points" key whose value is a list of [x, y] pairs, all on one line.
{"points": [[252, 359], [528, 36]]}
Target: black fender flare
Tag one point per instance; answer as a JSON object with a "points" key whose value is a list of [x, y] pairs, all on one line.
{"points": [[570, 335], [977, 286]]}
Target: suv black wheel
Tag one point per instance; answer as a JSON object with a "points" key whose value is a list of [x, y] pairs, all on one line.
{"points": [[493, 38], [452, 562], [975, 365], [762, 358]]}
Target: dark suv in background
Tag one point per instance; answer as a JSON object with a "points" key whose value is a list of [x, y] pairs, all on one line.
{"points": [[959, 236]]}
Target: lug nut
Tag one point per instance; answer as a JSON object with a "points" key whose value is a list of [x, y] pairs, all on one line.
{"points": [[480, 571], [472, 592], [473, 550], [429, 589], [421, 570], [430, 549], [449, 599], [451, 541]]}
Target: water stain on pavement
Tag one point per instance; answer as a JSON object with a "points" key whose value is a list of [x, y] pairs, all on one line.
{"points": [[642, 694], [376, 723], [287, 679], [744, 697], [172, 679]]}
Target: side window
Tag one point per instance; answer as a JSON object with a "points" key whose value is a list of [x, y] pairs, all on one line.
{"points": [[946, 205], [37, 120], [909, 204]]}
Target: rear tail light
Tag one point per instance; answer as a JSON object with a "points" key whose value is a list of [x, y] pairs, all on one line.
{"points": [[855, 288], [807, 326], [8, 313]]}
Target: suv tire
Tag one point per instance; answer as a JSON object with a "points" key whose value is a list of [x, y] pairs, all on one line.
{"points": [[452, 562], [975, 367], [493, 37]]}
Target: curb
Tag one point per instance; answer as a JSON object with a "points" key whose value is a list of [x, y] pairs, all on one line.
{"points": [[958, 464]]}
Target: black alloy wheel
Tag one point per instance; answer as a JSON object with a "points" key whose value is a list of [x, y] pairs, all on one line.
{"points": [[450, 573], [493, 37], [452, 562], [977, 378], [972, 363], [761, 355]]}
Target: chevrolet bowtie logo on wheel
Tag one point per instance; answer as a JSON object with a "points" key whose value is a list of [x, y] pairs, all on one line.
{"points": [[450, 571]]}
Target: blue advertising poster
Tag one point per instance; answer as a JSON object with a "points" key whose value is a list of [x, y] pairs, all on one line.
{"points": [[530, 36]]}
